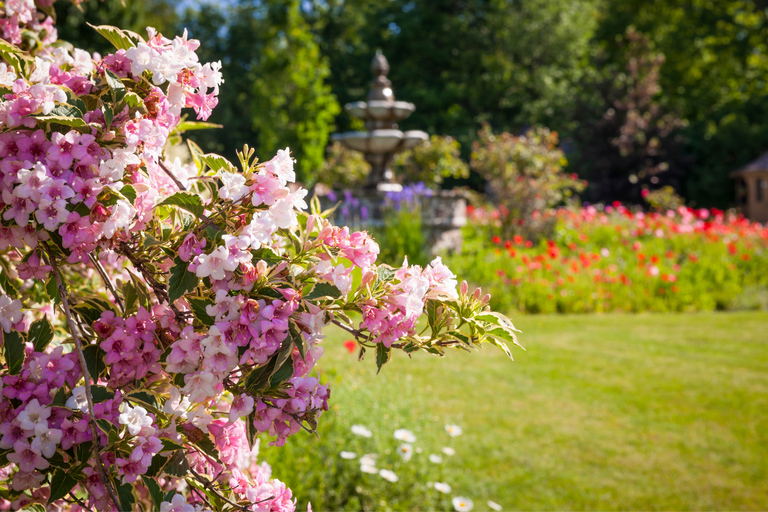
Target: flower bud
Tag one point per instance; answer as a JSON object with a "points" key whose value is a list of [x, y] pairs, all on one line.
{"points": [[476, 293], [464, 287]]}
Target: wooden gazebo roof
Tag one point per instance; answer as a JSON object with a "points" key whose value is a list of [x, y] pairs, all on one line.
{"points": [[759, 165]]}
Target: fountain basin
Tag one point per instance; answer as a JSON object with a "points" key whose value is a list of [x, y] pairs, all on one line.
{"points": [[381, 141], [380, 110]]}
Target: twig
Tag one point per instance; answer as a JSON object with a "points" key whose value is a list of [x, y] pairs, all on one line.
{"points": [[107, 281], [171, 175], [355, 332], [80, 502], [208, 485], [87, 378]]}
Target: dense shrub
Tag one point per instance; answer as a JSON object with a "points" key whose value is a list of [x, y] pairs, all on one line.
{"points": [[525, 177], [431, 162]]}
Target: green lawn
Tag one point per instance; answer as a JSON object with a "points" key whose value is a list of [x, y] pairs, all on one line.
{"points": [[628, 412]]}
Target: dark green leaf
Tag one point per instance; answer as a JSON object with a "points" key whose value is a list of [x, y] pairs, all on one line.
{"points": [[61, 484], [143, 396], [385, 273], [73, 122], [154, 492], [109, 115], [92, 308], [129, 192], [190, 202], [177, 465], [14, 351], [284, 372], [126, 497], [60, 398], [250, 430], [266, 254], [298, 339], [322, 290], [156, 467], [115, 85], [382, 356], [94, 360], [101, 394], [40, 334], [198, 308], [66, 111], [181, 280]]}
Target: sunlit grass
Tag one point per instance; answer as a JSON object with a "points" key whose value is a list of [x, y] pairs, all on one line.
{"points": [[651, 412]]}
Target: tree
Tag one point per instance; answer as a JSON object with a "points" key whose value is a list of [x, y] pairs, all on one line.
{"points": [[627, 138]]}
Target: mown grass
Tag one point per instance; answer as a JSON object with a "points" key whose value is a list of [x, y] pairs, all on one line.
{"points": [[613, 412]]}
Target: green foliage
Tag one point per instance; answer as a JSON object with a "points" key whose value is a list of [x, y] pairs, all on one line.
{"points": [[343, 169], [525, 176], [431, 162], [402, 235], [663, 199]]}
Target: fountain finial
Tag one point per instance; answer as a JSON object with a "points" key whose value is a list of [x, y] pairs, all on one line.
{"points": [[381, 87]]}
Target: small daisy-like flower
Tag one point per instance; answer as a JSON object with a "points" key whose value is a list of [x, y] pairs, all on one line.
{"points": [[462, 504], [495, 506], [367, 468], [442, 487], [347, 455], [453, 430], [449, 451], [388, 475], [404, 435], [406, 451], [369, 459], [360, 430], [435, 458]]}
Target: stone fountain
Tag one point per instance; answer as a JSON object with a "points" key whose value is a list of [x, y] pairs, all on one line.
{"points": [[382, 140]]}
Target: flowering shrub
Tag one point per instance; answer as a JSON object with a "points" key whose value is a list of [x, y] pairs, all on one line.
{"points": [[525, 176], [431, 162], [156, 317], [616, 259]]}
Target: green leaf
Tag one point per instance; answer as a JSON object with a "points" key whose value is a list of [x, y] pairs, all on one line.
{"points": [[181, 280], [14, 351], [250, 430], [197, 154], [133, 100], [385, 273], [298, 339], [322, 290], [101, 394], [60, 398], [497, 334], [129, 193], [91, 308], [266, 254], [126, 497], [177, 465], [61, 484], [217, 162], [156, 467], [186, 126], [154, 492], [73, 122], [109, 115], [284, 372], [187, 201], [383, 355], [94, 360], [65, 111], [198, 308], [40, 334], [119, 38], [115, 86], [497, 319], [143, 396]]}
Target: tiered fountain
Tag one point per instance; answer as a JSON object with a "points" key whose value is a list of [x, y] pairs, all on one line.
{"points": [[444, 212], [382, 140]]}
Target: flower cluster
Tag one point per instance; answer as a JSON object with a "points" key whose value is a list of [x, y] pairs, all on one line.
{"points": [[615, 258], [157, 316]]}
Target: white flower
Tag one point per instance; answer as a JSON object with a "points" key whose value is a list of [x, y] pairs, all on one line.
{"points": [[7, 75], [234, 186], [369, 459], [348, 455], [282, 166], [135, 418], [46, 442], [367, 468], [406, 451], [215, 264], [78, 400], [495, 506], [360, 430], [388, 475], [449, 451], [201, 386], [122, 215], [442, 487], [435, 458], [10, 312], [177, 504], [34, 417], [404, 435], [453, 430], [462, 504]]}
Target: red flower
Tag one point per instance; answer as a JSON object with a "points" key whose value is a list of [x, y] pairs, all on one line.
{"points": [[745, 257], [517, 239], [350, 345], [528, 244], [496, 240], [507, 244], [654, 259]]}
